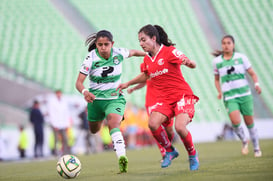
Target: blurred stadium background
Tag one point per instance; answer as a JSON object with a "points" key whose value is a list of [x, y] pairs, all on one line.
{"points": [[42, 48]]}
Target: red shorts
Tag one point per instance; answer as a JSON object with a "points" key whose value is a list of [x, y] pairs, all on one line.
{"points": [[167, 123], [184, 105]]}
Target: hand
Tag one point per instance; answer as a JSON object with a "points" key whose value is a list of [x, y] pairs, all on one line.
{"points": [[122, 86], [219, 96], [258, 89], [89, 97], [130, 90]]}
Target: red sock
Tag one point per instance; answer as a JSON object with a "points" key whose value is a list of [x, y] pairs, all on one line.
{"points": [[161, 137], [161, 149], [189, 144]]}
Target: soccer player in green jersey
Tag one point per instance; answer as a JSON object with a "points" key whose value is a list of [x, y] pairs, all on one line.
{"points": [[103, 66], [230, 69]]}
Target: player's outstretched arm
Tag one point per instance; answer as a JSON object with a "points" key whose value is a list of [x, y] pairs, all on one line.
{"points": [[138, 86], [189, 63], [136, 53], [142, 77]]}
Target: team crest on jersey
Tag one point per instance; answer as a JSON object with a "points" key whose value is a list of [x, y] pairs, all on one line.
{"points": [[160, 61], [236, 61], [116, 60]]}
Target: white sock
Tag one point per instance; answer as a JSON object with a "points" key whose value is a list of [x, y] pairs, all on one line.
{"points": [[253, 132], [118, 143], [238, 129]]}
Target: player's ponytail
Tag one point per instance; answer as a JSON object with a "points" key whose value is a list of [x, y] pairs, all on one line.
{"points": [[163, 36], [91, 39], [158, 32], [91, 42]]}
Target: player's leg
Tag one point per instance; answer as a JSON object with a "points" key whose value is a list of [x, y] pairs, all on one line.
{"points": [[181, 122], [94, 126], [95, 115], [160, 147], [159, 133], [235, 119], [184, 112], [233, 109], [247, 111], [168, 125], [114, 111]]}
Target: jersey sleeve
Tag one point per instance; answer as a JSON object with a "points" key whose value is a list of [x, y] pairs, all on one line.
{"points": [[215, 70], [123, 51], [86, 65], [177, 56], [142, 67], [246, 62]]}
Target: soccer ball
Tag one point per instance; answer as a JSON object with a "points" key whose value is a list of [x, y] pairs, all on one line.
{"points": [[69, 166]]}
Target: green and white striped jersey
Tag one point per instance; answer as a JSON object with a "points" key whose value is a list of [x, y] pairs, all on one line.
{"points": [[104, 75], [233, 75]]}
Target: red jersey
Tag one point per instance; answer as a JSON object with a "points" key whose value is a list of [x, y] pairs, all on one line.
{"points": [[165, 74]]}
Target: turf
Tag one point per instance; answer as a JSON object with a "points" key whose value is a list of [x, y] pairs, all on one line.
{"points": [[219, 161]]}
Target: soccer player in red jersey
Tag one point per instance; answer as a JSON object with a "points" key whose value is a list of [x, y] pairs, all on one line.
{"points": [[150, 102], [174, 95]]}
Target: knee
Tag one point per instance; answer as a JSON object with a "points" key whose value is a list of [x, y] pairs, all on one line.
{"points": [[153, 125], [180, 128]]}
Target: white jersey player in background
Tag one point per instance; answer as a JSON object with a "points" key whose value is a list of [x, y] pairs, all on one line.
{"points": [[230, 68]]}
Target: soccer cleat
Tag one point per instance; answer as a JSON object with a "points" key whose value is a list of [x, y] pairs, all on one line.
{"points": [[123, 164], [257, 153], [167, 160], [194, 162], [245, 148]]}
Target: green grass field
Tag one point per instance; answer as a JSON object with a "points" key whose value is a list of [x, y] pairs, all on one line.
{"points": [[218, 161]]}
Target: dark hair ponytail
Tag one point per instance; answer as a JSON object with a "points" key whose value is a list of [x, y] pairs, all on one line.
{"points": [[216, 53], [91, 39], [163, 37], [158, 32]]}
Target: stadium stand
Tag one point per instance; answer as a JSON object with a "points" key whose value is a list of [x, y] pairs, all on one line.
{"points": [[38, 42], [250, 22]]}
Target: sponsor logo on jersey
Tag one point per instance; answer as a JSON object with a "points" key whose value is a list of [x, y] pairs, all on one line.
{"points": [[97, 64], [160, 61], [157, 73]]}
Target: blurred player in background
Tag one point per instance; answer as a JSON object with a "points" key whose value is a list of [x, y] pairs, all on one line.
{"points": [[37, 120], [173, 94], [103, 65], [231, 67], [150, 102], [59, 119]]}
